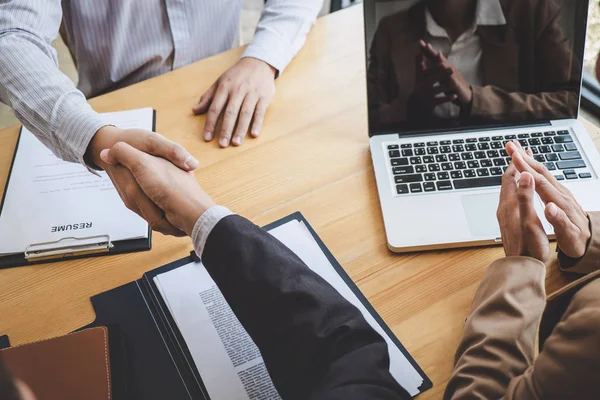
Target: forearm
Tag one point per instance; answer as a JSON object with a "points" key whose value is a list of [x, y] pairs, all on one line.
{"points": [[43, 98], [498, 341], [282, 31], [314, 343]]}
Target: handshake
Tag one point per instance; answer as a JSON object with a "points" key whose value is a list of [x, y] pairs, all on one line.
{"points": [[153, 176]]}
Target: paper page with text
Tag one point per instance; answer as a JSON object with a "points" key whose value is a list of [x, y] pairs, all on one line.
{"points": [[48, 199], [229, 363]]}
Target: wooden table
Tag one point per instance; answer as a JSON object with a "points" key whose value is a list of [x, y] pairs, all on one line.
{"points": [[312, 157]]}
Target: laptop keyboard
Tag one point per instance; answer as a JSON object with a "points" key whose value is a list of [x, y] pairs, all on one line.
{"points": [[478, 162]]}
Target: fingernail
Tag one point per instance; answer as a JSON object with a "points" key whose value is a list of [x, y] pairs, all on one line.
{"points": [[104, 155], [237, 140], [224, 142], [255, 132], [195, 108], [208, 136], [191, 162], [553, 210]]}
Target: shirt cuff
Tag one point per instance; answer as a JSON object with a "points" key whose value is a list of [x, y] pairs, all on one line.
{"points": [[205, 224], [75, 123], [270, 48]]}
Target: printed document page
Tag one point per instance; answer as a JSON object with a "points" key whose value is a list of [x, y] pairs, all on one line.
{"points": [[48, 199], [228, 361]]}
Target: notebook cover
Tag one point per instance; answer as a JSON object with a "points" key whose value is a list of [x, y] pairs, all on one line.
{"points": [[71, 367], [119, 247], [153, 366]]}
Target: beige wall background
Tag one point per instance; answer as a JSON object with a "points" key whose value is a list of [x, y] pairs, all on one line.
{"points": [[251, 10]]}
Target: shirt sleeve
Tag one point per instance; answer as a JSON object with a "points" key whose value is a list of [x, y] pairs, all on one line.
{"points": [[282, 31], [42, 97]]}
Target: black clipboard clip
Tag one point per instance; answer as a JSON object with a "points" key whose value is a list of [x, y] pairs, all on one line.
{"points": [[68, 247]]}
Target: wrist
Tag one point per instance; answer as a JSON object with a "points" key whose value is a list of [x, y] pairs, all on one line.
{"points": [[193, 213], [258, 62], [104, 138]]}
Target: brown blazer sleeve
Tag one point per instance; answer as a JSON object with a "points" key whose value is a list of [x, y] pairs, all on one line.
{"points": [[552, 67], [498, 343]]}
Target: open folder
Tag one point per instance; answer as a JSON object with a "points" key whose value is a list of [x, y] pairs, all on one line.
{"points": [[54, 209], [182, 340]]}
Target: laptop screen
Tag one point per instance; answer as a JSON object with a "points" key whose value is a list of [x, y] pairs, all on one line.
{"points": [[443, 64]]}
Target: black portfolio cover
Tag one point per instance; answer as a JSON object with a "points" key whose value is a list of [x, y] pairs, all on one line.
{"points": [[156, 360]]}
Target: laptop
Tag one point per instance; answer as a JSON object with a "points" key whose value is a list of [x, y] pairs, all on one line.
{"points": [[438, 125]]}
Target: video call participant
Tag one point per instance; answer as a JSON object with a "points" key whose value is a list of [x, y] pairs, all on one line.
{"points": [[117, 43], [497, 354], [476, 61]]}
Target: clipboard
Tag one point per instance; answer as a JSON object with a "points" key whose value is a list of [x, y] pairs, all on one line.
{"points": [[159, 364], [71, 247]]}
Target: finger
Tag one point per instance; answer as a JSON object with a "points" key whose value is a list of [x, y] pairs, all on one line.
{"points": [[508, 190], [205, 100], [436, 101], [259, 117], [526, 196], [428, 50], [123, 153], [119, 174], [443, 88], [563, 227], [160, 146], [214, 112], [246, 113], [230, 117], [437, 75], [535, 241], [155, 217], [545, 182]]}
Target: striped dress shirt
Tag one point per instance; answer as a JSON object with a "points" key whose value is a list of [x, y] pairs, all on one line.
{"points": [[119, 42]]}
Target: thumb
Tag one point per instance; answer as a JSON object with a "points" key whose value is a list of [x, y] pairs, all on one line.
{"points": [[205, 100], [126, 155], [566, 232]]}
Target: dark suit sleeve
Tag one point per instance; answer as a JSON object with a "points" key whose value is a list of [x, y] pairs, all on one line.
{"points": [[315, 344]]}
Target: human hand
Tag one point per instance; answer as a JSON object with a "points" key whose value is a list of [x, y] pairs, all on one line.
{"points": [[130, 192], [431, 88], [520, 228], [570, 221], [174, 191], [240, 96], [455, 82]]}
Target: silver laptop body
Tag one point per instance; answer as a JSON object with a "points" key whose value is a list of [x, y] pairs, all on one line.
{"points": [[438, 177]]}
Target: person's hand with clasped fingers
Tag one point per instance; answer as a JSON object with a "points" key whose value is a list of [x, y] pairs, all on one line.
{"points": [[520, 228], [570, 221], [175, 191], [124, 182]]}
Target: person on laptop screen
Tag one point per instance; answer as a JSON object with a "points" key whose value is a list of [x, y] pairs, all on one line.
{"points": [[444, 63]]}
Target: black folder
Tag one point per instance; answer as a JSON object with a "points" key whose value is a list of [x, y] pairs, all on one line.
{"points": [[117, 247], [157, 361]]}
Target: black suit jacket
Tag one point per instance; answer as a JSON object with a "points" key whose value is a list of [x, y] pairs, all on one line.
{"points": [[315, 344]]}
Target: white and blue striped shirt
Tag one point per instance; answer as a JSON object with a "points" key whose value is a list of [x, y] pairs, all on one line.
{"points": [[118, 42]]}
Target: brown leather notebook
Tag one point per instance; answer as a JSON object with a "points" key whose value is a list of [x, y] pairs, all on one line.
{"points": [[71, 367]]}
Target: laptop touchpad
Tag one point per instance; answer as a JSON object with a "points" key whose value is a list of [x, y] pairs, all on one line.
{"points": [[480, 210]]}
